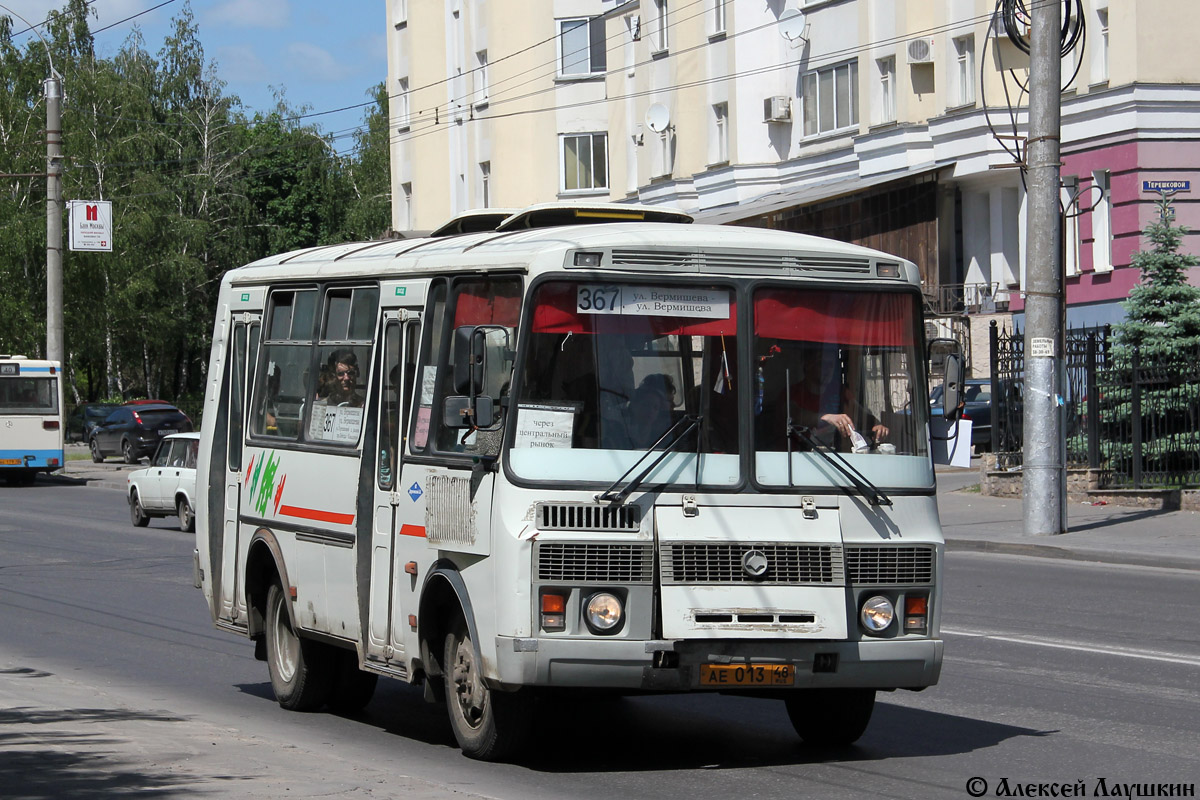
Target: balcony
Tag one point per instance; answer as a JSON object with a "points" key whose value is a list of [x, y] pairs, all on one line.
{"points": [[952, 299]]}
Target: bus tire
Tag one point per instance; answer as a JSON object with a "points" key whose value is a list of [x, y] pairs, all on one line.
{"points": [[488, 725], [137, 514], [187, 517], [352, 687], [830, 717], [127, 452], [301, 670], [97, 455]]}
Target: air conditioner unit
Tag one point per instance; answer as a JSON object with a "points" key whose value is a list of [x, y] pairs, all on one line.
{"points": [[920, 51], [777, 109]]}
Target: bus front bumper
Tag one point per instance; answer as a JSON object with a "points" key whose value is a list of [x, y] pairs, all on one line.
{"points": [[907, 663]]}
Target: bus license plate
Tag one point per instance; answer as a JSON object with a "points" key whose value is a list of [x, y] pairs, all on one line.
{"points": [[11, 462], [747, 674]]}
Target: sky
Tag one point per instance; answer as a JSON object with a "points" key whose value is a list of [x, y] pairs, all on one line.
{"points": [[323, 54]]}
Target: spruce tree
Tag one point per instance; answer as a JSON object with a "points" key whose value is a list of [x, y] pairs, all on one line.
{"points": [[1163, 311]]}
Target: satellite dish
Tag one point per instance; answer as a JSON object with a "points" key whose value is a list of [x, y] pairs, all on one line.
{"points": [[658, 118], [791, 24]]}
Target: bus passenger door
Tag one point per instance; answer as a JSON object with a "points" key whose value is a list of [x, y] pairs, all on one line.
{"points": [[243, 351], [401, 338]]}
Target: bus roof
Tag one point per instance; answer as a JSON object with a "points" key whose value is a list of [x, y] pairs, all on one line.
{"points": [[632, 246]]}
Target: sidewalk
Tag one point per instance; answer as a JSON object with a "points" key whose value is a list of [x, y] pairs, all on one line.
{"points": [[1107, 534]]}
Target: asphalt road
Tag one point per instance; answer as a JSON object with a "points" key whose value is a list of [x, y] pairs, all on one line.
{"points": [[113, 680]]}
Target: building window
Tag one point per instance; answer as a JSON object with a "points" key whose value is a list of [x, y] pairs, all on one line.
{"points": [[720, 140], [660, 26], [964, 53], [666, 157], [1070, 228], [399, 13], [718, 18], [481, 79], [887, 89], [1102, 45], [1101, 222], [584, 162], [402, 105], [581, 47], [485, 184], [408, 213], [830, 98]]}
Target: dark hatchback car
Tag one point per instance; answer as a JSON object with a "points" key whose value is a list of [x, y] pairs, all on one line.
{"points": [[134, 431], [84, 418], [977, 392]]}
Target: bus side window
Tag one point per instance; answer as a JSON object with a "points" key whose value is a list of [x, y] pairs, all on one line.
{"points": [[494, 303]]}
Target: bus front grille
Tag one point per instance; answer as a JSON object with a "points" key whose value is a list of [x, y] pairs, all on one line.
{"points": [[587, 517], [726, 562], [889, 564], [562, 562]]}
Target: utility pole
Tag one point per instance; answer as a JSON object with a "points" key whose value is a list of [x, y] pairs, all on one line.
{"points": [[1044, 479], [55, 349]]}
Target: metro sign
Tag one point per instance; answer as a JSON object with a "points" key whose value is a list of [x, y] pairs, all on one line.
{"points": [[91, 225]]}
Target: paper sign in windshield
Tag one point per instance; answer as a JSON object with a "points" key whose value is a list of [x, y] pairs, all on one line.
{"points": [[335, 423], [545, 426], [652, 301]]}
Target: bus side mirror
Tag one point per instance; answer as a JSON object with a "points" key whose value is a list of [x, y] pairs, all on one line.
{"points": [[952, 388], [466, 412], [469, 359]]}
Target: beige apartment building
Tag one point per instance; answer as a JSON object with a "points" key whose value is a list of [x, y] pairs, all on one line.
{"points": [[892, 123]]}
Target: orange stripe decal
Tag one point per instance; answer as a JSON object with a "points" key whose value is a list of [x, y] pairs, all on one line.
{"points": [[315, 514], [412, 530]]}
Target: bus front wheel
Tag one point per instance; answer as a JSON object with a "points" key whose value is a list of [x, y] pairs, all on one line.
{"points": [[830, 717], [488, 725], [301, 670]]}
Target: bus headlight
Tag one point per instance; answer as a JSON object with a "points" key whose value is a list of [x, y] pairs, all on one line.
{"points": [[603, 613], [877, 614]]}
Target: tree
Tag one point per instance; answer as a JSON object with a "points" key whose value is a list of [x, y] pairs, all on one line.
{"points": [[1163, 311]]}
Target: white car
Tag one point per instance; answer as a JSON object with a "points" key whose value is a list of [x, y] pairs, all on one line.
{"points": [[168, 486]]}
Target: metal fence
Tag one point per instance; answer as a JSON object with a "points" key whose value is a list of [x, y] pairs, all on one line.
{"points": [[1138, 422]]}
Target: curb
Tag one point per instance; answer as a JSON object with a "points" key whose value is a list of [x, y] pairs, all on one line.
{"points": [[1062, 553]]}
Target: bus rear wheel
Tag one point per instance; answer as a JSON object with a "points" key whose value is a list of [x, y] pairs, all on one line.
{"points": [[830, 717], [488, 725], [301, 670]]}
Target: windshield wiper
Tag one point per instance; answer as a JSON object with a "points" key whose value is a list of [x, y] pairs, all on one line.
{"points": [[681, 429], [860, 481]]}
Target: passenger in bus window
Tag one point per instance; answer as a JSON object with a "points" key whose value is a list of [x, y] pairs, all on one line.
{"points": [[343, 389]]}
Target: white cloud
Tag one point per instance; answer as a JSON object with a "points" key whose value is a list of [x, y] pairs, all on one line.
{"points": [[241, 63], [310, 62], [254, 14]]}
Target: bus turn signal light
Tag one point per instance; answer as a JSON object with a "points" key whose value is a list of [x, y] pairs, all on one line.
{"points": [[554, 616], [915, 614]]}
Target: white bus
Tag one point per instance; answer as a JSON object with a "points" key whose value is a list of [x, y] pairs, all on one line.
{"points": [[31, 430], [639, 456]]}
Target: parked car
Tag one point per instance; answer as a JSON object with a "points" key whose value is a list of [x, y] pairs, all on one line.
{"points": [[168, 486], [84, 417], [977, 392], [135, 431]]}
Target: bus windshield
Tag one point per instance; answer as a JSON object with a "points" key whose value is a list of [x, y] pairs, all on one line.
{"points": [[838, 371], [610, 368]]}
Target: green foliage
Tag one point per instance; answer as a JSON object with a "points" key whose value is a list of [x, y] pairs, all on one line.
{"points": [[197, 188], [1163, 311]]}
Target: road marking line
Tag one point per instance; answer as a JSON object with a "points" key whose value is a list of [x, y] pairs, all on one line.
{"points": [[1148, 655]]}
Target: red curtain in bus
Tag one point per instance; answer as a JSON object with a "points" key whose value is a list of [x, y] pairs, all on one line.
{"points": [[492, 303], [556, 311], [875, 319]]}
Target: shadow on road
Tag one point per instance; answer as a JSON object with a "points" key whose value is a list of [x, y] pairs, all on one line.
{"points": [[51, 753]]}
